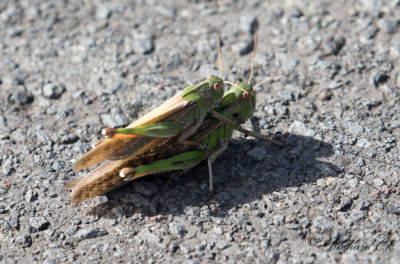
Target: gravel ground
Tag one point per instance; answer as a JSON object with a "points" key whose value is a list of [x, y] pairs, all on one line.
{"points": [[69, 68]]}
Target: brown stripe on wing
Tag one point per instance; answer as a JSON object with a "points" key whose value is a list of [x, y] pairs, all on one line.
{"points": [[111, 149]]}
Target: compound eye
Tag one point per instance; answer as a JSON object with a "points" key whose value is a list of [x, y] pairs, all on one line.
{"points": [[212, 75], [246, 96], [218, 86], [238, 83]]}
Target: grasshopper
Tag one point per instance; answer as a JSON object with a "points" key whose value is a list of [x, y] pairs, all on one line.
{"points": [[183, 113], [211, 140]]}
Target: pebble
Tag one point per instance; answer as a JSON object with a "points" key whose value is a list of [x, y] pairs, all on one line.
{"points": [[221, 244], [24, 240], [325, 95], [120, 211], [389, 26], [148, 236], [287, 63], [378, 78], [248, 24], [258, 153], [378, 182], [145, 188], [53, 90], [177, 230], [20, 98], [103, 11], [136, 199], [143, 44], [242, 47], [355, 128], [39, 223], [115, 119], [262, 59], [332, 45], [90, 233], [31, 196], [322, 225], [68, 138], [281, 109], [302, 129], [279, 220], [326, 170]]}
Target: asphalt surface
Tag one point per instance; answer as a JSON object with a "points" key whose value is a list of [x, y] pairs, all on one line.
{"points": [[70, 68]]}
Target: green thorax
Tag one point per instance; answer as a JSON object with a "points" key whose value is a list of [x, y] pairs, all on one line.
{"points": [[205, 94], [234, 107]]}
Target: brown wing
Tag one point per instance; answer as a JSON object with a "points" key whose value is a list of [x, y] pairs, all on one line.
{"points": [[172, 110], [106, 177]]}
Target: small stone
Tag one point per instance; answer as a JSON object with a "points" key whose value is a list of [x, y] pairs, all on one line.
{"points": [[242, 47], [115, 119], [345, 204], [326, 169], [335, 85], [363, 143], [20, 98], [390, 91], [177, 230], [371, 32], [285, 96], [388, 25], [173, 247], [325, 95], [148, 236], [71, 230], [378, 78], [192, 211], [333, 45], [103, 11], [262, 59], [302, 129], [371, 5], [136, 199], [248, 24], [39, 223], [120, 211], [53, 90], [353, 183], [221, 244], [378, 182], [281, 109], [286, 62], [143, 44], [322, 225], [58, 166], [355, 128], [68, 138], [145, 188], [305, 222], [90, 233], [364, 205], [24, 240], [279, 220], [31, 196], [223, 197], [258, 153]]}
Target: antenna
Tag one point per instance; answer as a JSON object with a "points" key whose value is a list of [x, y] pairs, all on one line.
{"points": [[219, 55], [269, 79], [254, 55]]}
